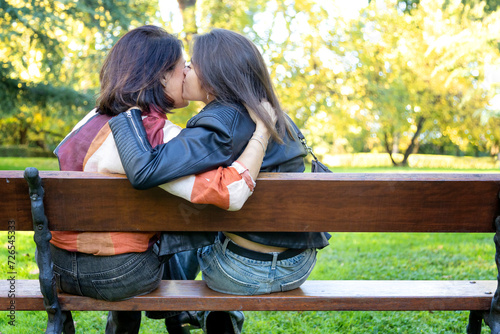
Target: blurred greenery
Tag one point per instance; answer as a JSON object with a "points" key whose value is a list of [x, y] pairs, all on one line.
{"points": [[400, 77], [17, 163], [353, 163], [50, 55], [24, 151]]}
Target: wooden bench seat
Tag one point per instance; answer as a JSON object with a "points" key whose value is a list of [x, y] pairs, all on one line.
{"points": [[312, 296], [76, 201]]}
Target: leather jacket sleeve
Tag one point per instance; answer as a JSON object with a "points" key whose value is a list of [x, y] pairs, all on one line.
{"points": [[186, 154]]}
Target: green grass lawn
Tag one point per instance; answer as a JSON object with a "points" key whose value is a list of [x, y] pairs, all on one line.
{"points": [[12, 163], [350, 256]]}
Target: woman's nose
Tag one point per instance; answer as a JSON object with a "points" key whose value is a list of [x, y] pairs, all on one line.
{"points": [[186, 69]]}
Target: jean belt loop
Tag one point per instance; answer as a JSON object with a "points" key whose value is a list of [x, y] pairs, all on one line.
{"points": [[224, 245], [74, 263], [275, 259]]}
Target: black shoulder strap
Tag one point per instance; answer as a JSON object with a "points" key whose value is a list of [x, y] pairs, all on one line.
{"points": [[304, 143], [317, 166]]}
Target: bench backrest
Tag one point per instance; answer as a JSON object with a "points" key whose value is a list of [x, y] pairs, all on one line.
{"points": [[339, 202]]}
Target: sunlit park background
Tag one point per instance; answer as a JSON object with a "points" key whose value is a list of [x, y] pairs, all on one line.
{"points": [[358, 76], [377, 85]]}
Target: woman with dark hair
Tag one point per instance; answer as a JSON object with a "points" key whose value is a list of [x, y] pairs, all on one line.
{"points": [[143, 72], [227, 72]]}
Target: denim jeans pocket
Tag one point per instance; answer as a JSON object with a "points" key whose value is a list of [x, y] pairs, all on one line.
{"points": [[66, 281], [141, 279], [297, 279], [300, 270], [222, 275], [232, 281], [295, 283]]}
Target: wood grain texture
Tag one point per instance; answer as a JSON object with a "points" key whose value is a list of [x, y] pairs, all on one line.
{"points": [[312, 296], [282, 201]]}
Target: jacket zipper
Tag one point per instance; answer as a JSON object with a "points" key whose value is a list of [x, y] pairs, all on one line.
{"points": [[129, 115]]}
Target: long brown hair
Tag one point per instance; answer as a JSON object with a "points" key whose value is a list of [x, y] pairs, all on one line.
{"points": [[231, 68], [133, 71]]}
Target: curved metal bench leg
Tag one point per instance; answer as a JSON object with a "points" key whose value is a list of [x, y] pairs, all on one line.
{"points": [[475, 322], [493, 318], [44, 260]]}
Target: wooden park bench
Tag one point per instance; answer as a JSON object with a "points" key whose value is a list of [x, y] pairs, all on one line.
{"points": [[76, 201]]}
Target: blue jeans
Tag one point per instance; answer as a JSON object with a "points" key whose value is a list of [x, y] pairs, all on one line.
{"points": [[228, 272], [109, 278]]}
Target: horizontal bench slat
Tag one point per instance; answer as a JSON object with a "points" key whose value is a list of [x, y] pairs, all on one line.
{"points": [[282, 201], [312, 296]]}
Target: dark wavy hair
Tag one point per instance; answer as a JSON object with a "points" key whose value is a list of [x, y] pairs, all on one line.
{"points": [[231, 68], [134, 70]]}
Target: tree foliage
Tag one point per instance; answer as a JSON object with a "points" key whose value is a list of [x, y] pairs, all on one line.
{"points": [[399, 76], [421, 72], [51, 54]]}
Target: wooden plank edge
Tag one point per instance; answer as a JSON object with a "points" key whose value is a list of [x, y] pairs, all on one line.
{"points": [[478, 297]]}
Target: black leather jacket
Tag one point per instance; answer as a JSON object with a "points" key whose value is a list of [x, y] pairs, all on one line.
{"points": [[215, 137]]}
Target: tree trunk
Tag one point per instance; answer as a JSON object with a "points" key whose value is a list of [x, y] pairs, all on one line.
{"points": [[395, 143], [414, 139], [187, 8], [388, 149], [23, 135]]}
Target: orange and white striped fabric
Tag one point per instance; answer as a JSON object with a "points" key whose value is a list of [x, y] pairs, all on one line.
{"points": [[90, 147]]}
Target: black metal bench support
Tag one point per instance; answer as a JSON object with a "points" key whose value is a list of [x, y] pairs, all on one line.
{"points": [[42, 238], [475, 322], [492, 319]]}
